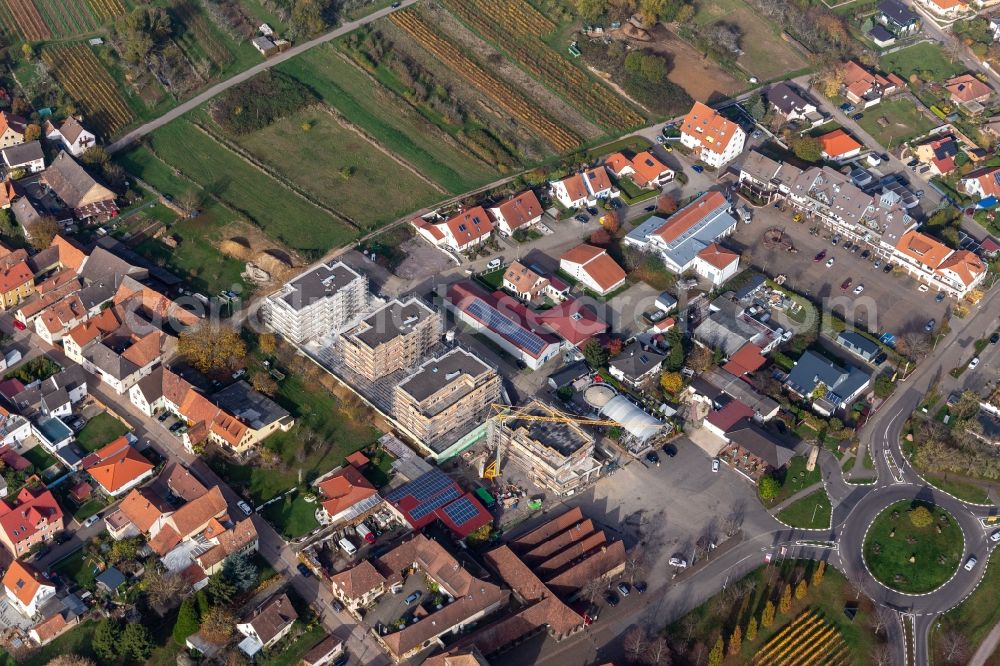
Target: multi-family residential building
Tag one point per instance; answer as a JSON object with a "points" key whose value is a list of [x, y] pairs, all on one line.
{"points": [[107, 346], [928, 260], [593, 268], [583, 189], [714, 139], [71, 135], [681, 237], [521, 211], [445, 395], [827, 385], [867, 88], [396, 336], [460, 232], [33, 518], [557, 456], [317, 303], [26, 589], [17, 280]]}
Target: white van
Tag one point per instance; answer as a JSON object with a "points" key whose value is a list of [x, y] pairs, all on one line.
{"points": [[347, 546], [494, 264]]}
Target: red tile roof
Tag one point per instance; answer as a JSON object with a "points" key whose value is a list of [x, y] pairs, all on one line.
{"points": [[24, 581], [22, 521], [718, 256], [598, 264], [520, 209], [724, 419], [838, 142], [690, 215], [116, 465], [575, 187], [344, 489], [470, 225], [711, 129], [748, 359]]}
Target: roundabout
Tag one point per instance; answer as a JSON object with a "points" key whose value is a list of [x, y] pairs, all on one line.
{"points": [[913, 547]]}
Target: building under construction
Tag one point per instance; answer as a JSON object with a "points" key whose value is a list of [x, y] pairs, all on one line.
{"points": [[550, 450]]}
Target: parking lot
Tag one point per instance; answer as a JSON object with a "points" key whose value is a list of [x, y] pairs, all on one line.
{"points": [[889, 301]]}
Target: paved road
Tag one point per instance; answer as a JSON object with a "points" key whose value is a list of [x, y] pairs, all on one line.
{"points": [[262, 66]]}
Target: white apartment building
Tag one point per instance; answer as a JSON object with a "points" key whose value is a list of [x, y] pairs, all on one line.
{"points": [[714, 139], [321, 301]]}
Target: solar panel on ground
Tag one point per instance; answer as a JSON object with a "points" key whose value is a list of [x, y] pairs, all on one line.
{"points": [[461, 511]]}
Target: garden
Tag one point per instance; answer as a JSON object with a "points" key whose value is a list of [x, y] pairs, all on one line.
{"points": [[811, 512], [781, 484], [37, 369], [896, 121], [102, 429], [913, 547]]}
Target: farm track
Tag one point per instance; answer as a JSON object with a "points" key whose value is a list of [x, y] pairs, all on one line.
{"points": [[82, 76], [489, 18], [29, 22], [508, 99]]}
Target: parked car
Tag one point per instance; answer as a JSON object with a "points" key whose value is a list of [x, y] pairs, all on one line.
{"points": [[829, 262], [678, 561], [846, 283], [715, 464], [974, 363], [612, 599], [345, 656], [697, 168], [820, 255], [930, 325], [244, 507], [919, 194], [336, 606], [880, 359], [652, 458], [670, 450], [912, 163], [970, 563], [19, 326], [847, 107], [994, 338], [866, 254], [860, 288], [878, 262], [887, 268], [593, 211], [494, 263], [667, 147], [922, 288], [835, 241], [649, 209], [857, 116], [304, 570], [939, 297], [413, 597], [582, 219], [640, 587], [661, 140], [757, 134], [624, 589], [90, 521], [163, 417], [995, 537]]}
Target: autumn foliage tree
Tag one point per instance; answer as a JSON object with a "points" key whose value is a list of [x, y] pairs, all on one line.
{"points": [[666, 204], [671, 382], [735, 641], [716, 655], [801, 590], [817, 575], [752, 629], [218, 625], [767, 615], [785, 604], [921, 516], [212, 349], [600, 237]]}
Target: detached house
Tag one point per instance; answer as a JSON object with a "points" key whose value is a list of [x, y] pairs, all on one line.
{"points": [[17, 280], [26, 589], [521, 211], [968, 92], [583, 189], [826, 384], [118, 467], [11, 129], [107, 346], [27, 156], [790, 103], [645, 169], [636, 365], [898, 18], [983, 183], [460, 232], [939, 154], [35, 517], [594, 268], [716, 263], [346, 495], [72, 135], [838, 145], [714, 139], [866, 88], [268, 623], [524, 283]]}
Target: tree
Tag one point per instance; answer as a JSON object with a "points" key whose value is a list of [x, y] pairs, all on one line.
{"points": [[263, 382], [218, 625], [817, 575], [954, 647], [164, 589], [651, 10], [768, 487], [187, 621], [757, 107], [596, 355], [612, 221], [591, 10], [921, 516], [716, 655], [240, 570], [592, 589], [735, 641], [884, 386], [752, 629], [27, 51], [807, 148], [141, 31], [666, 204], [767, 615], [634, 642], [190, 200], [801, 589], [672, 382], [967, 406], [685, 13], [600, 237], [126, 549], [212, 349], [785, 603], [32, 132], [658, 652], [635, 559], [105, 640], [220, 589], [700, 359], [41, 233], [136, 642], [830, 80], [267, 343]]}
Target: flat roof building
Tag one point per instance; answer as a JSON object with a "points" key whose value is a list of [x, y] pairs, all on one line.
{"points": [[321, 301], [396, 336]]}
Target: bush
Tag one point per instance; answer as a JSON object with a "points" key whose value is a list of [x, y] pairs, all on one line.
{"points": [[921, 516], [768, 487], [260, 101]]}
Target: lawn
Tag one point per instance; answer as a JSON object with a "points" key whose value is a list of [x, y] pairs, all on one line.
{"points": [[975, 616], [100, 430], [292, 516], [339, 168], [319, 419], [793, 478], [283, 215], [765, 54], [913, 559], [293, 652], [725, 610], [963, 490], [88, 509], [40, 458], [493, 279], [921, 58], [390, 120], [76, 641], [811, 512], [75, 568], [905, 122]]}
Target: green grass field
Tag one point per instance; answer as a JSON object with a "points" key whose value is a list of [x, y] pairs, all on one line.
{"points": [[794, 478], [905, 122], [100, 430], [40, 458], [765, 54], [919, 58], [76, 568], [811, 512], [283, 215], [890, 544], [975, 616], [963, 490], [339, 168], [76, 641], [292, 516], [388, 119]]}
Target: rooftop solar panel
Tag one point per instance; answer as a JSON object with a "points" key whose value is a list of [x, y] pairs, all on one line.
{"points": [[433, 504], [505, 326], [423, 487], [461, 511]]}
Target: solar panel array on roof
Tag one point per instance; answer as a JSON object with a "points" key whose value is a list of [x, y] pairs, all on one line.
{"points": [[435, 503], [500, 323], [423, 487], [461, 511]]}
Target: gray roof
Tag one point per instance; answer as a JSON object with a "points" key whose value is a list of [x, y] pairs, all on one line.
{"points": [[811, 368], [634, 361], [733, 386], [569, 373], [109, 361], [253, 408], [72, 183], [666, 300], [391, 321], [23, 153], [880, 34], [97, 294], [855, 341], [151, 385], [45, 259], [753, 284], [70, 378], [25, 212], [436, 373], [104, 266], [723, 330], [111, 578], [317, 283], [55, 399], [761, 443], [762, 168], [702, 233], [786, 98], [898, 12]]}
